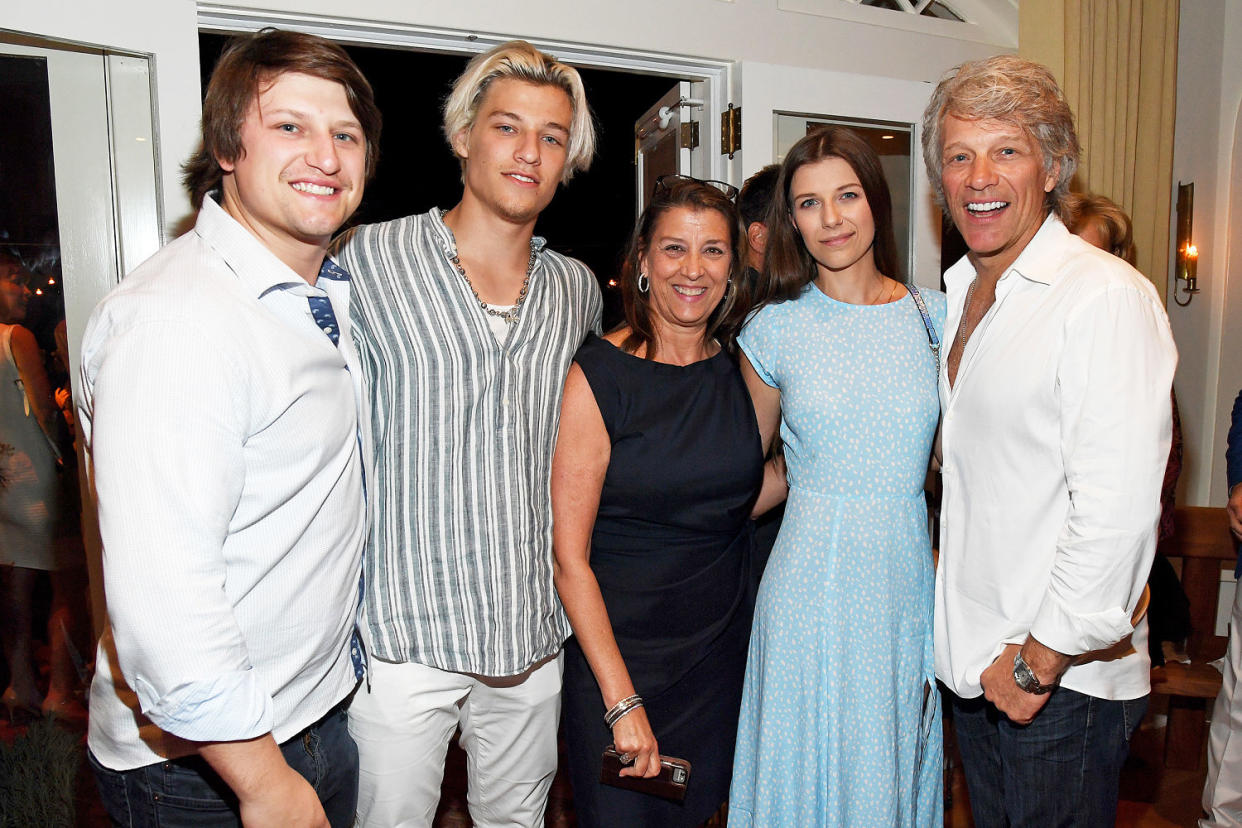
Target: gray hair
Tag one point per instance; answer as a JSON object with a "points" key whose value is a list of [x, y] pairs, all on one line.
{"points": [[1012, 89], [520, 60]]}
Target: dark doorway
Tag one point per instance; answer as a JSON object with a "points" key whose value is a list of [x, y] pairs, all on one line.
{"points": [[590, 219]]}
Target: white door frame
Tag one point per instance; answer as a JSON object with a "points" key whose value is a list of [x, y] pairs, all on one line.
{"points": [[106, 164], [716, 75]]}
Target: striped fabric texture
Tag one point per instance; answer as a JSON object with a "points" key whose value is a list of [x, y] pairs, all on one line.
{"points": [[458, 561]]}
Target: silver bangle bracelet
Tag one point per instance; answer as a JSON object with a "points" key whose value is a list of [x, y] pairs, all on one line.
{"points": [[621, 708]]}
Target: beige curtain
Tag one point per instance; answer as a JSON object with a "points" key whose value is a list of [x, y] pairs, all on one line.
{"points": [[1117, 62]]}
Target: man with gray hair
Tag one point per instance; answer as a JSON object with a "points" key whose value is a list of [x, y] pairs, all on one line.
{"points": [[1055, 433], [466, 326]]}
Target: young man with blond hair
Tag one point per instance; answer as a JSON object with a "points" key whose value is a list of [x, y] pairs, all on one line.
{"points": [[467, 328]]}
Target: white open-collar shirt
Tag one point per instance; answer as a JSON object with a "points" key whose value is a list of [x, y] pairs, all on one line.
{"points": [[223, 430], [1055, 438]]}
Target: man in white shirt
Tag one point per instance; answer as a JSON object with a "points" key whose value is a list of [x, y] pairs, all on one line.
{"points": [[220, 411], [1055, 433]]}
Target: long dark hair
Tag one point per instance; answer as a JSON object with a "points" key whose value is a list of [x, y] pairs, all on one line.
{"points": [[726, 319], [788, 266]]}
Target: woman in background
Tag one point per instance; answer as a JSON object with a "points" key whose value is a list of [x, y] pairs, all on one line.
{"points": [[840, 721], [30, 508], [656, 469]]}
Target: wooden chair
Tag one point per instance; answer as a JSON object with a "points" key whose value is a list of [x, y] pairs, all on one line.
{"points": [[1204, 545]]}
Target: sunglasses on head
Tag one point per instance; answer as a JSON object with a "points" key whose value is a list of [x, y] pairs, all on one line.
{"points": [[665, 183]]}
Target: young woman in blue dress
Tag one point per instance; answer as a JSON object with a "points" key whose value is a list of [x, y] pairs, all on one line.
{"points": [[840, 720]]}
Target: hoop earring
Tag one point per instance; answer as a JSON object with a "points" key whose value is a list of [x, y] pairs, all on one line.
{"points": [[643, 283]]}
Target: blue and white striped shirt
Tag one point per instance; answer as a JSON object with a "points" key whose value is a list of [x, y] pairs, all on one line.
{"points": [[459, 556]]}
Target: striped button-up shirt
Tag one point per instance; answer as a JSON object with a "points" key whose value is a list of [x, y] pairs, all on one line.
{"points": [[459, 557]]}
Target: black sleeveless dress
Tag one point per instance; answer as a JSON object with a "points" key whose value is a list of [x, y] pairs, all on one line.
{"points": [[672, 550]]}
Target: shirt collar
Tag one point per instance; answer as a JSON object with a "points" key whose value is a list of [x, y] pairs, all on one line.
{"points": [[1039, 261], [258, 269]]}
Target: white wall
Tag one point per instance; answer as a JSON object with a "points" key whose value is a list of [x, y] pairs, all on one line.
{"points": [[1207, 151], [744, 30], [166, 30]]}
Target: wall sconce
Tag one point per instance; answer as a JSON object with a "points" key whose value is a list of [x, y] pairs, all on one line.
{"points": [[1187, 254]]}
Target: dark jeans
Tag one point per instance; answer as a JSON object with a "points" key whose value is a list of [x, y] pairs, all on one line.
{"points": [[186, 792], [1060, 770]]}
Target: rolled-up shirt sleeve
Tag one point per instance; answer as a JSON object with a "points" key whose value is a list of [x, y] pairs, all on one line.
{"points": [[167, 425], [1113, 380]]}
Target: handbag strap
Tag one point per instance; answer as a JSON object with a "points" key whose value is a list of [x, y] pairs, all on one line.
{"points": [[933, 339], [6, 336]]}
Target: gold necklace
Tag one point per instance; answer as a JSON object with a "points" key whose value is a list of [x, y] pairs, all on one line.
{"points": [[510, 315], [888, 298], [961, 328]]}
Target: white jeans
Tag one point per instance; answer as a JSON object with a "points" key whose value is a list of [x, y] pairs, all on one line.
{"points": [[1222, 795], [508, 729]]}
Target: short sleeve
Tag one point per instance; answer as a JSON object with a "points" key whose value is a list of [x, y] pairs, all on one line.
{"points": [[757, 341]]}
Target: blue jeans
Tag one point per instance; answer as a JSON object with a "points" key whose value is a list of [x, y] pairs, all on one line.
{"points": [[186, 792], [1060, 770]]}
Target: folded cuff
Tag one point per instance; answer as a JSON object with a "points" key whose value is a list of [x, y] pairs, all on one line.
{"points": [[1073, 633], [226, 708]]}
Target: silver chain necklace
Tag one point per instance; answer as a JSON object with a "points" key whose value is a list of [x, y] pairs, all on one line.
{"points": [[510, 315]]}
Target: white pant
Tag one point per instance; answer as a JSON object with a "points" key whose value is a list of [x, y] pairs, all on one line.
{"points": [[508, 729], [1222, 795]]}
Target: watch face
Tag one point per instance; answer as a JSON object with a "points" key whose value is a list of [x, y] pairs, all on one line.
{"points": [[1026, 679]]}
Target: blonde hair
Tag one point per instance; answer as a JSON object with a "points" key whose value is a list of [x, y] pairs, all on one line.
{"points": [[520, 60], [1089, 208], [1011, 89]]}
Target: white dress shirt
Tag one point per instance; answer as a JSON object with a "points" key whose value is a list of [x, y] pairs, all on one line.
{"points": [[1055, 439], [223, 432]]}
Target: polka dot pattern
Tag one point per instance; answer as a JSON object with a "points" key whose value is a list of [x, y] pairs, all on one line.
{"points": [[835, 727], [325, 317]]}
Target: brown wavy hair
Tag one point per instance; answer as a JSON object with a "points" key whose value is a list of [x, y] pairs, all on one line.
{"points": [[248, 63], [725, 321], [788, 266]]}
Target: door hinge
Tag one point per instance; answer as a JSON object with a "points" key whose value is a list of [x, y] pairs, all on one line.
{"points": [[690, 135], [731, 131]]}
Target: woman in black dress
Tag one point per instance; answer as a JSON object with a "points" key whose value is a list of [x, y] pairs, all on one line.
{"points": [[657, 468]]}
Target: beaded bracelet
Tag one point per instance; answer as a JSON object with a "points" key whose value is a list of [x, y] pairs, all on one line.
{"points": [[621, 708]]}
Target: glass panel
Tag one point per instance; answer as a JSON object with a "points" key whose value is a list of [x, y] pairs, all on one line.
{"points": [[891, 141], [39, 507]]}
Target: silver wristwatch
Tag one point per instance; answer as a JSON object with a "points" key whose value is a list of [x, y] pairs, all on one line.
{"points": [[1026, 679]]}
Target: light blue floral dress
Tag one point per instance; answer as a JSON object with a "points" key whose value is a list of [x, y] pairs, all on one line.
{"points": [[840, 721]]}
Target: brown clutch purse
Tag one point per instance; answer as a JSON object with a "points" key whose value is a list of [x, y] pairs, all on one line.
{"points": [[670, 783]]}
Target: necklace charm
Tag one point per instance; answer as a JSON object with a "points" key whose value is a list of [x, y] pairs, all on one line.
{"points": [[509, 315]]}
